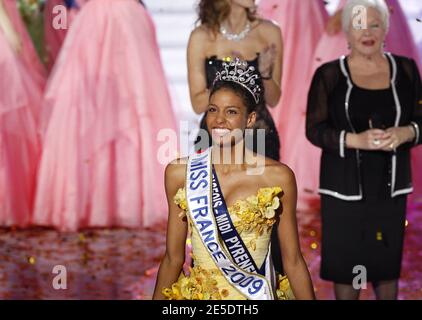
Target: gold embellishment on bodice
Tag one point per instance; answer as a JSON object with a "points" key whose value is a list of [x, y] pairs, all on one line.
{"points": [[253, 218], [257, 213]]}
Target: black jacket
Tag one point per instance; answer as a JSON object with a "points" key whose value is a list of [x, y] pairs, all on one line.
{"points": [[328, 120]]}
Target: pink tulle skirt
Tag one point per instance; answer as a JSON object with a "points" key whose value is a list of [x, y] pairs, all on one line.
{"points": [[20, 100], [104, 108]]}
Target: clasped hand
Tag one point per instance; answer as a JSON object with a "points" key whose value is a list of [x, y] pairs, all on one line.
{"points": [[384, 140]]}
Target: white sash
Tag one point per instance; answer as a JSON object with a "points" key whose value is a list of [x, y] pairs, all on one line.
{"points": [[199, 199]]}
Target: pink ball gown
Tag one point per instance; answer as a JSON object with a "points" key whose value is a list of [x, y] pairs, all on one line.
{"points": [[105, 104], [399, 41], [54, 37], [302, 24], [20, 101]]}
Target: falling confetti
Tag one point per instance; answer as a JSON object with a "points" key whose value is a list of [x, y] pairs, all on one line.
{"points": [[82, 238], [31, 260], [123, 264]]}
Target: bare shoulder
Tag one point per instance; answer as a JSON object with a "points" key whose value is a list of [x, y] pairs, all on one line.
{"points": [[279, 168], [279, 174], [269, 27], [197, 46], [271, 171], [176, 172], [199, 34]]}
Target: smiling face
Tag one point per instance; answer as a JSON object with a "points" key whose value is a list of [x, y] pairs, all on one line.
{"points": [[228, 117], [368, 41]]}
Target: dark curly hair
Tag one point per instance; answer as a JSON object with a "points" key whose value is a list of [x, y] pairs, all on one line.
{"points": [[212, 12]]}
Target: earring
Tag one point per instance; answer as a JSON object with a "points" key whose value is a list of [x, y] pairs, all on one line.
{"points": [[349, 46]]}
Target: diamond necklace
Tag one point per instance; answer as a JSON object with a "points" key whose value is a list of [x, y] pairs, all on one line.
{"points": [[235, 36]]}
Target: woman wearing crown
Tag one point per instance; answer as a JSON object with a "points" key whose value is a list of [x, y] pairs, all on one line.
{"points": [[258, 42], [230, 197]]}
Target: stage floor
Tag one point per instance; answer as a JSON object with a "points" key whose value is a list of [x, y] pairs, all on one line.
{"points": [[122, 264]]}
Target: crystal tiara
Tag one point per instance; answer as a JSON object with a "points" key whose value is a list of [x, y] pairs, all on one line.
{"points": [[238, 71]]}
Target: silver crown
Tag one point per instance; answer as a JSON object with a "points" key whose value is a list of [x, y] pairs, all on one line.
{"points": [[238, 71]]}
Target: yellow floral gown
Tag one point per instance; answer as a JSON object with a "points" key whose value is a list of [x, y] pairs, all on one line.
{"points": [[253, 219]]}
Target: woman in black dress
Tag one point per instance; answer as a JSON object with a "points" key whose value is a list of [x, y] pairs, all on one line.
{"points": [[229, 29], [365, 112]]}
